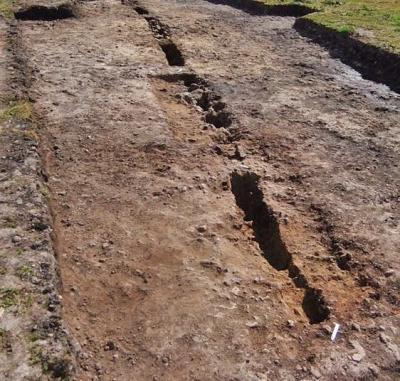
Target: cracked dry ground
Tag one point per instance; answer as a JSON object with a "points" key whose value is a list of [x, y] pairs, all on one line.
{"points": [[214, 219]]}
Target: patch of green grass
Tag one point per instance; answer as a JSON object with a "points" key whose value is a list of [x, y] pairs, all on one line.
{"points": [[36, 354], [376, 22], [44, 190], [50, 365], [32, 337], [19, 110], [10, 222], [6, 8], [25, 272], [9, 297], [27, 301], [20, 251], [31, 135], [346, 29], [12, 297], [315, 5]]}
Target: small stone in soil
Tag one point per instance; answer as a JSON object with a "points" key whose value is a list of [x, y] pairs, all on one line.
{"points": [[202, 228]]}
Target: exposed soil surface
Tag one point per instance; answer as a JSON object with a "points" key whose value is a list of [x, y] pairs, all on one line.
{"points": [[222, 193]]}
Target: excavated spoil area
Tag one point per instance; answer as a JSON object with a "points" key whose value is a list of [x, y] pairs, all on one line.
{"points": [[221, 191]]}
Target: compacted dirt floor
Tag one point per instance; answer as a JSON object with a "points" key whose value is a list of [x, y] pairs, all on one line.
{"points": [[223, 192]]}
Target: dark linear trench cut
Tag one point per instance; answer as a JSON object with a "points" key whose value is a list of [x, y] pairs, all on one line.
{"points": [[172, 53], [140, 10], [162, 34], [249, 197], [42, 13]]}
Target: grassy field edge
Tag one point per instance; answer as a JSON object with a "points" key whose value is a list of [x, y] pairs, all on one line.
{"points": [[371, 61], [374, 59]]}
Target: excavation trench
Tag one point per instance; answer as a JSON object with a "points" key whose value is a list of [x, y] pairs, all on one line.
{"points": [[43, 13], [249, 197], [162, 34], [141, 10], [200, 93], [172, 53], [115, 192]]}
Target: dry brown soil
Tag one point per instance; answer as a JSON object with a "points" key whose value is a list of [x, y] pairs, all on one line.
{"points": [[216, 214]]}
